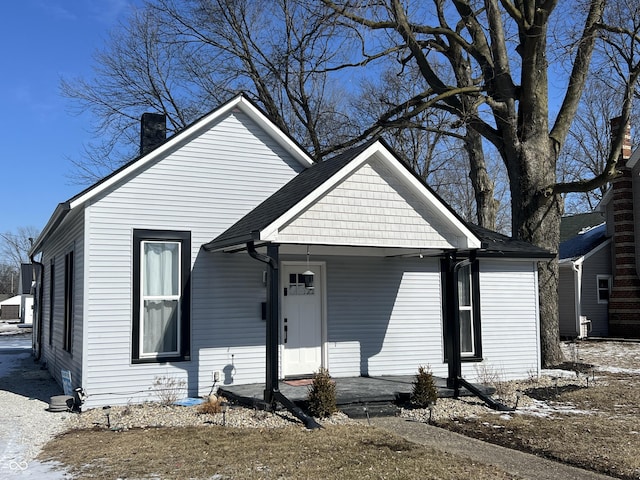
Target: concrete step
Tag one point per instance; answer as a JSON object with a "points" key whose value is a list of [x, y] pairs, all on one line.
{"points": [[370, 410]]}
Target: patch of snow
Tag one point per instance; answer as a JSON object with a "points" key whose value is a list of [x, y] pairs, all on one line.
{"points": [[539, 408], [557, 372], [610, 369]]}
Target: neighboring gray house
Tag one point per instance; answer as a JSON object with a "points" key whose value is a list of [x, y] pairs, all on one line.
{"points": [[585, 279], [170, 266]]}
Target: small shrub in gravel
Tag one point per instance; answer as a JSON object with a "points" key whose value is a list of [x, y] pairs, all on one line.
{"points": [[212, 405], [322, 395], [425, 392], [168, 389]]}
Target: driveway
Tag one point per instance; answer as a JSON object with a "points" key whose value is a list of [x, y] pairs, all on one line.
{"points": [[25, 423]]}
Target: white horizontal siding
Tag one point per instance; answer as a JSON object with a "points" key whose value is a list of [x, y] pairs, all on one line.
{"points": [[68, 237], [202, 187], [509, 319], [384, 316], [371, 207]]}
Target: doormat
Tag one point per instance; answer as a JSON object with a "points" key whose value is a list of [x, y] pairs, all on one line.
{"points": [[299, 383]]}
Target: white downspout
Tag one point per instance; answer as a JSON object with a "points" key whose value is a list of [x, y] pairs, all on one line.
{"points": [[577, 268]]}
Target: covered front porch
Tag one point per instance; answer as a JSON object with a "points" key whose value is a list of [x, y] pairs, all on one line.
{"points": [[361, 265]]}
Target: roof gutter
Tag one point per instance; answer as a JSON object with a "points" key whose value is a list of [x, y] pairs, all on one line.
{"points": [[214, 245]]}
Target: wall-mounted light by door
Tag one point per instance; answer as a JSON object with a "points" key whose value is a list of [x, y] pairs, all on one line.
{"points": [[308, 275]]}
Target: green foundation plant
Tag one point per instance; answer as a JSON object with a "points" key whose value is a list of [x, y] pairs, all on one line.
{"points": [[322, 395], [425, 392]]}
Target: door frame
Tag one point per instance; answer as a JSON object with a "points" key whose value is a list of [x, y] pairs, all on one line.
{"points": [[324, 355]]}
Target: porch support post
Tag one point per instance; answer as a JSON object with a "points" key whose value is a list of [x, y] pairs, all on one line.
{"points": [[452, 320], [273, 321]]}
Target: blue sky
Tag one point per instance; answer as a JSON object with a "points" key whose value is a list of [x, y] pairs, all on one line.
{"points": [[43, 41]]}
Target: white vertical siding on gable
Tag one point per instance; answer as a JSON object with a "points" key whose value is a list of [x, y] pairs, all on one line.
{"points": [[509, 316], [203, 187], [68, 237], [371, 207], [385, 316]]}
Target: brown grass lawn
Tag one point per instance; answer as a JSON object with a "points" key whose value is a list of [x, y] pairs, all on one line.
{"points": [[599, 430], [603, 435], [339, 452]]}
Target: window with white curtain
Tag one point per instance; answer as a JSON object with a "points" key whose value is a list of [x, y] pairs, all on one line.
{"points": [[161, 295], [160, 304]]}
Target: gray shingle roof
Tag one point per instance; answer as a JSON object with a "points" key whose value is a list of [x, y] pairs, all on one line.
{"points": [[498, 245], [284, 199]]}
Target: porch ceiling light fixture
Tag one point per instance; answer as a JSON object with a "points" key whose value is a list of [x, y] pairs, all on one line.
{"points": [[308, 275]]}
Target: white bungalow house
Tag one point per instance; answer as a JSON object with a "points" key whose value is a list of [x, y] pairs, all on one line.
{"points": [[226, 251]]}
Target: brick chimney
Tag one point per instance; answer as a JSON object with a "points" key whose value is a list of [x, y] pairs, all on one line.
{"points": [[153, 131], [624, 301]]}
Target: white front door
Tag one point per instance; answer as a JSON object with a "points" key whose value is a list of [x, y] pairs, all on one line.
{"points": [[301, 320]]}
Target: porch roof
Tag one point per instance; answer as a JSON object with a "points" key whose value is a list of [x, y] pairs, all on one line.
{"points": [[260, 224], [265, 222], [248, 227]]}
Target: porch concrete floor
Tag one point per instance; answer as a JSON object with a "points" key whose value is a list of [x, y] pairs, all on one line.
{"points": [[349, 390]]}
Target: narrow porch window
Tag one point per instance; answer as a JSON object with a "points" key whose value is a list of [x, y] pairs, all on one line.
{"points": [[465, 308], [468, 292]]}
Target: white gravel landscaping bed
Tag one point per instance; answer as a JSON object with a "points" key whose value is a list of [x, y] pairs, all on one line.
{"points": [[156, 415]]}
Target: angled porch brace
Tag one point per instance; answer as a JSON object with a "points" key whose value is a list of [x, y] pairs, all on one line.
{"points": [[452, 339]]}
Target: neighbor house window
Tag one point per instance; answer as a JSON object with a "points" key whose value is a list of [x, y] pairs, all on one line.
{"points": [[604, 288], [67, 335], [468, 294], [161, 295], [52, 297]]}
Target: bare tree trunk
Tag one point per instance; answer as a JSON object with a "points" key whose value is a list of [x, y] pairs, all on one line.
{"points": [[483, 186], [537, 220]]}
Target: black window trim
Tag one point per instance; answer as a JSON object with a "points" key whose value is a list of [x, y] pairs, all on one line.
{"points": [[184, 237], [477, 324], [69, 293], [52, 297]]}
